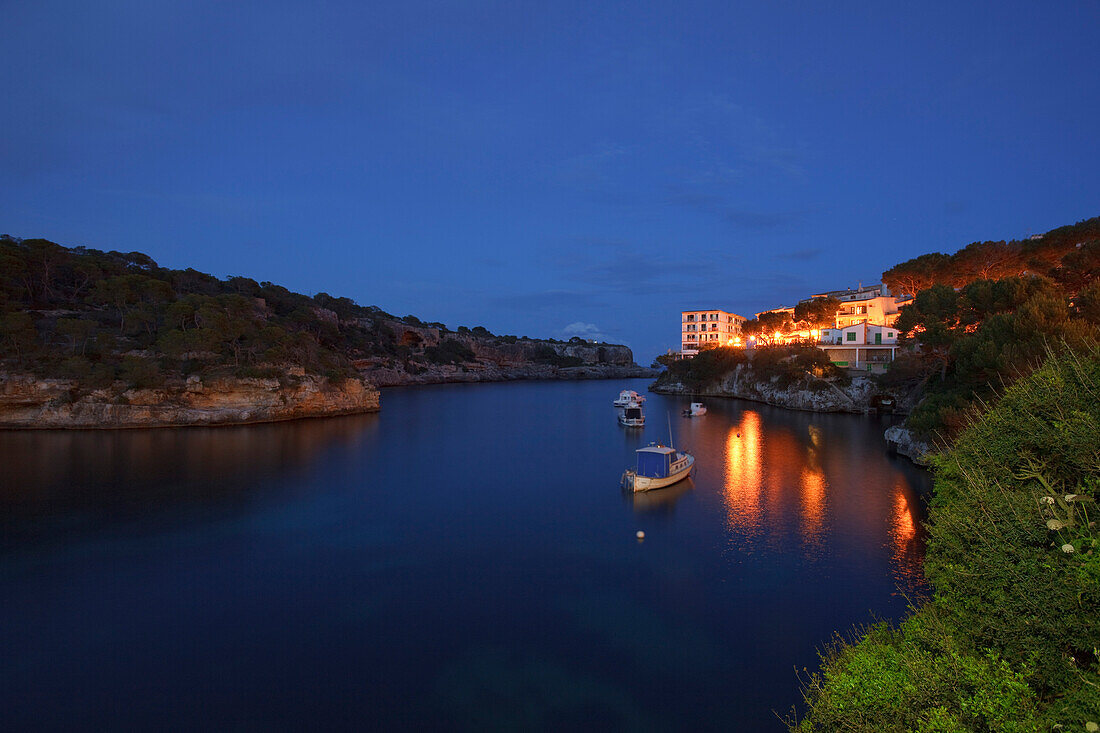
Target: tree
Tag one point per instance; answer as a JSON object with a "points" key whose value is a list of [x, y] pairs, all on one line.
{"points": [[914, 275], [817, 313]]}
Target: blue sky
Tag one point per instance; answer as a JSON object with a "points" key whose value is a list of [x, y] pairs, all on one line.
{"points": [[546, 169]]}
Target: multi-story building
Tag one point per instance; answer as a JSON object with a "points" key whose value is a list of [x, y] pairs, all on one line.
{"points": [[700, 329], [871, 304]]}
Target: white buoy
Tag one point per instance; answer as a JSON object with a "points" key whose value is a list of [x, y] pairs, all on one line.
{"points": [[640, 534]]}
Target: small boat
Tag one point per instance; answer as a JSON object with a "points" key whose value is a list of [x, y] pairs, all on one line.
{"points": [[628, 396], [631, 416], [658, 466], [696, 409]]}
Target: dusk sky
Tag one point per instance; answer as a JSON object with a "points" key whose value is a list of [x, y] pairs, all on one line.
{"points": [[548, 169]]}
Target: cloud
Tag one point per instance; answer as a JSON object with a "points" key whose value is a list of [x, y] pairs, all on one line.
{"points": [[583, 330]]}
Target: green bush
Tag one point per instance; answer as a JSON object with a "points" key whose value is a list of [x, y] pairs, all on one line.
{"points": [[1011, 639]]}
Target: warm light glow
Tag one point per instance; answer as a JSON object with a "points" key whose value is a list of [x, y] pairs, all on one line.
{"points": [[777, 334], [744, 473], [813, 502], [737, 341], [814, 333], [903, 531]]}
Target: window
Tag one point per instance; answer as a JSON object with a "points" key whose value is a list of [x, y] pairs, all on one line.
{"points": [[851, 335]]}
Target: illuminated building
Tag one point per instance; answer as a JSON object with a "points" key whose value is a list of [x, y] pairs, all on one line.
{"points": [[701, 329]]}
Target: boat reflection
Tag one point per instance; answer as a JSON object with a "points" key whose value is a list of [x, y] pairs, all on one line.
{"points": [[659, 501]]}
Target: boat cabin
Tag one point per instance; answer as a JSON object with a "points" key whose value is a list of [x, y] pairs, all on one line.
{"points": [[632, 413], [655, 461]]}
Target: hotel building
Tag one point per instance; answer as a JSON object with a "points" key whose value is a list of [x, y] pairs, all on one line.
{"points": [[705, 328]]}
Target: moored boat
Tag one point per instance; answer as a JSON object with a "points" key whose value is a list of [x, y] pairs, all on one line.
{"points": [[658, 466], [628, 396], [696, 409], [631, 416]]}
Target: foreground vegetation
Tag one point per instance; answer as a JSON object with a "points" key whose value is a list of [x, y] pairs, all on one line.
{"points": [[1011, 638]]}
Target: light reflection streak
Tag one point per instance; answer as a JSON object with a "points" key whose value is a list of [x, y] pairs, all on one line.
{"points": [[813, 503], [744, 473], [904, 535]]}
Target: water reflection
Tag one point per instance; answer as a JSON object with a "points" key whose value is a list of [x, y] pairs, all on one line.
{"points": [[744, 473], [660, 501], [811, 479], [80, 475], [908, 543]]}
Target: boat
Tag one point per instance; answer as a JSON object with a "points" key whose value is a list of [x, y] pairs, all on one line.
{"points": [[628, 396], [658, 466], [631, 416], [696, 409]]}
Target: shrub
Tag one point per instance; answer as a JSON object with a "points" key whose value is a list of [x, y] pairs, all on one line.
{"points": [[449, 351], [1010, 640]]}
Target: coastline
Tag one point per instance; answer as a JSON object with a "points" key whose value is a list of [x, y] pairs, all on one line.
{"points": [[31, 403], [28, 402]]}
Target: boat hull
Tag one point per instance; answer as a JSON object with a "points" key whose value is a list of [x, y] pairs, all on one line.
{"points": [[631, 480]]}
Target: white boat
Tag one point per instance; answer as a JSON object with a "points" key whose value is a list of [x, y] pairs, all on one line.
{"points": [[631, 416], [658, 466], [696, 409], [628, 396]]}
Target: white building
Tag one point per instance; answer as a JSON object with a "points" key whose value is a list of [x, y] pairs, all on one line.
{"points": [[860, 346], [701, 329], [872, 304]]}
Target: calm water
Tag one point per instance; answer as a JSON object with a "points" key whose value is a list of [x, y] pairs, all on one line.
{"points": [[462, 560]]}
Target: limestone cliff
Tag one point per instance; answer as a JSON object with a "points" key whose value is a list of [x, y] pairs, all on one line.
{"points": [[815, 395], [27, 401], [489, 358]]}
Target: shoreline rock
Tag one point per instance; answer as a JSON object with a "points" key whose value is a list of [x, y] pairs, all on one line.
{"points": [[854, 398], [450, 374], [28, 402], [902, 441]]}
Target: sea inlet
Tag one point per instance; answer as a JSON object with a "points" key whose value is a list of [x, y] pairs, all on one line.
{"points": [[462, 560]]}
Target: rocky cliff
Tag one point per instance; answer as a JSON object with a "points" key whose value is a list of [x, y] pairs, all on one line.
{"points": [[815, 395], [488, 358], [27, 401], [902, 441]]}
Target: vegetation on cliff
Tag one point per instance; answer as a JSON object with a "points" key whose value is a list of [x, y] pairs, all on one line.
{"points": [[785, 366], [1011, 638], [101, 317], [983, 317]]}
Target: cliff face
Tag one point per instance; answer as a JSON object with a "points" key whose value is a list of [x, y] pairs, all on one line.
{"points": [[30, 402], [498, 359], [491, 372]]}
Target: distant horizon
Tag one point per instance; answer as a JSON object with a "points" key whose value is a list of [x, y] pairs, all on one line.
{"points": [[572, 169]]}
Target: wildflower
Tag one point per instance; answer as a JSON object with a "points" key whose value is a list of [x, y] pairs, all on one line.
{"points": [[1067, 548], [1047, 500], [1092, 727], [1070, 497], [1055, 524]]}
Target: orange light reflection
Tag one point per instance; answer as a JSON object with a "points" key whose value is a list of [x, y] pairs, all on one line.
{"points": [[744, 473]]}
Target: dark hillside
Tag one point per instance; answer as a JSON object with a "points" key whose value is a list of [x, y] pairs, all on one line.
{"points": [[101, 317]]}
